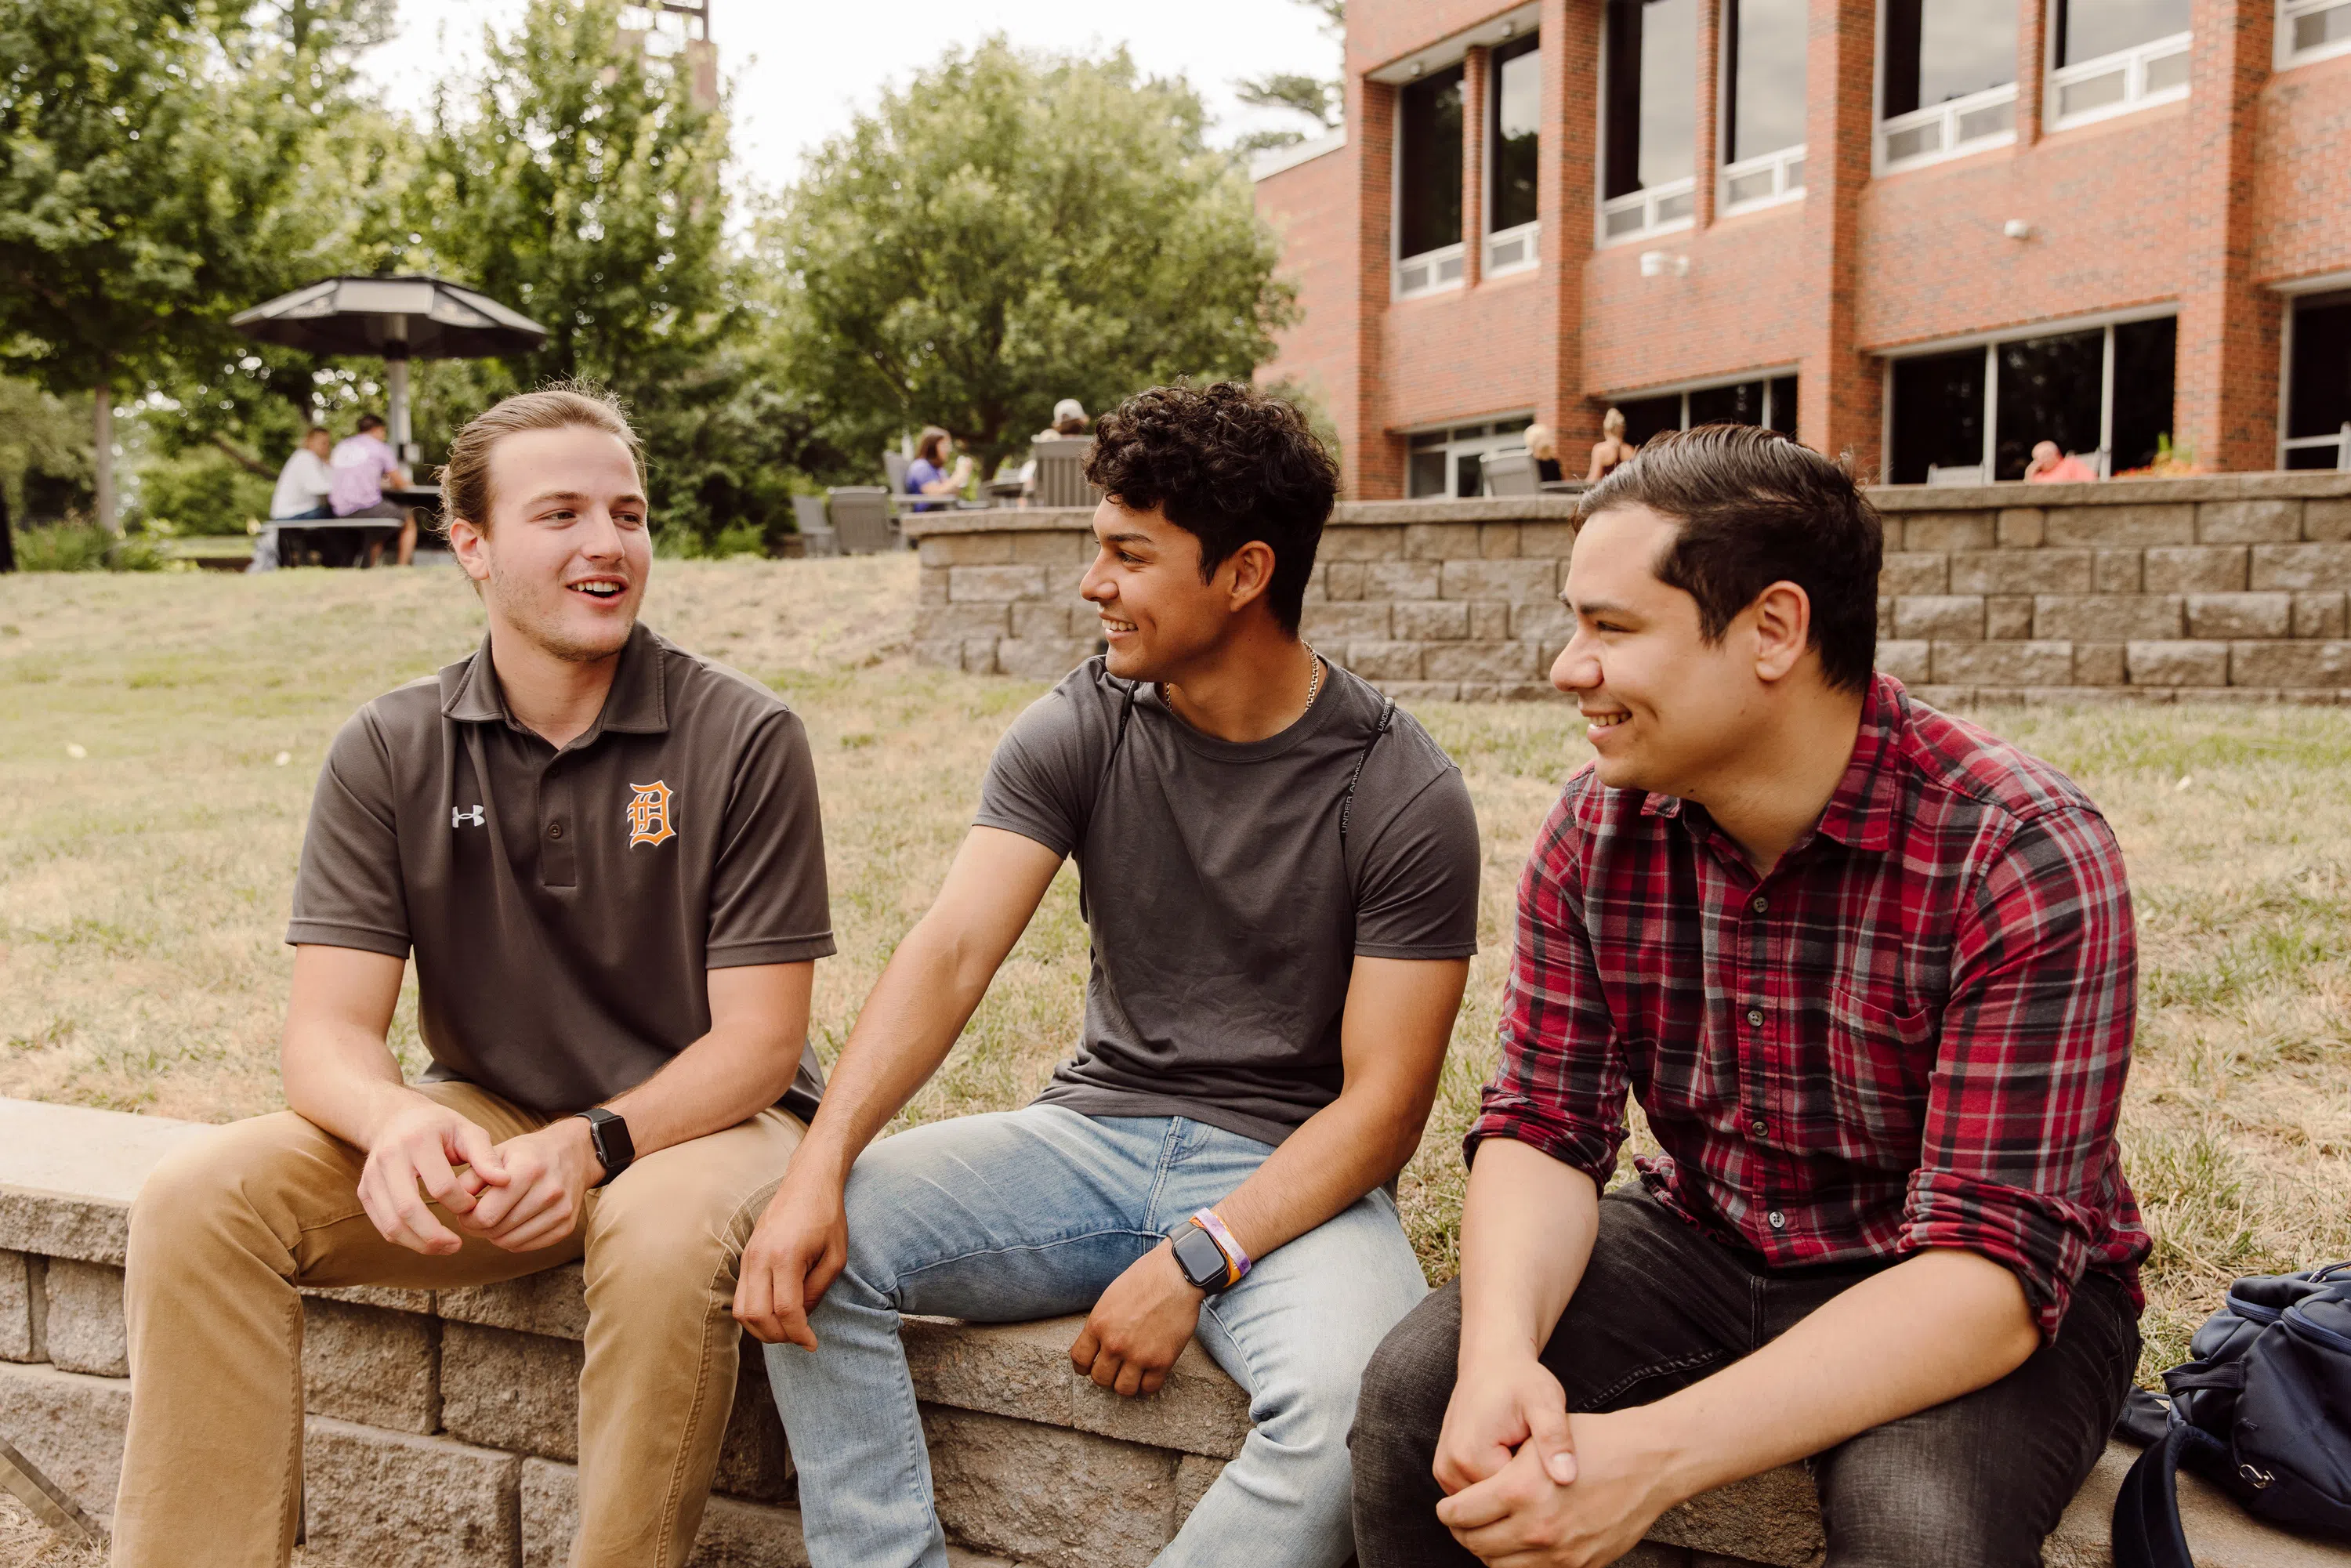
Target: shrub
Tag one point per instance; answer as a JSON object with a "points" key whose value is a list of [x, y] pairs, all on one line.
{"points": [[85, 547]]}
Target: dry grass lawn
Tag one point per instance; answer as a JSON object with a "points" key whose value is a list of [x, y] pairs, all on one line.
{"points": [[159, 736]]}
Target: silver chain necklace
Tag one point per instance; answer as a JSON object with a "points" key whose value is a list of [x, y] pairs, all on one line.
{"points": [[1314, 685]]}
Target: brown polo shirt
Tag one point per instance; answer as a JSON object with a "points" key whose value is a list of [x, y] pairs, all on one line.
{"points": [[563, 905]]}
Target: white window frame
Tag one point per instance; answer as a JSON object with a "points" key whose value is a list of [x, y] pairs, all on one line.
{"points": [[2341, 439], [2134, 66], [1480, 446], [1529, 254], [1437, 270], [1950, 119], [1991, 343], [2293, 11], [1651, 203], [1784, 174]]}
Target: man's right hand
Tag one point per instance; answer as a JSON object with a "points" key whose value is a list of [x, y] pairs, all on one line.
{"points": [[795, 1253], [1498, 1408], [420, 1146]]}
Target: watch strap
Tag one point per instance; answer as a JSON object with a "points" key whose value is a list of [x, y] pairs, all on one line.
{"points": [[607, 1135], [1237, 1261]]}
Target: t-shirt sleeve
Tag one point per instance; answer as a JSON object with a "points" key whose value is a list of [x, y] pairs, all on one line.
{"points": [[349, 892], [1045, 770], [768, 899], [1418, 895]]}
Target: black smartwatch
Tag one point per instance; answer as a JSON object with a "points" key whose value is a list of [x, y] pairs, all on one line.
{"points": [[1201, 1260], [607, 1135]]}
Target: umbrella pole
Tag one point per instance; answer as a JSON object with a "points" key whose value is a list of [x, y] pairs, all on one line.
{"points": [[395, 376]]}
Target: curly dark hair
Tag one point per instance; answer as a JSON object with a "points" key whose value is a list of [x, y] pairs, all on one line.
{"points": [[1229, 464], [1756, 508]]}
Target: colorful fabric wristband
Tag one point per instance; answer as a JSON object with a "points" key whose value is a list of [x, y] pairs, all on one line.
{"points": [[1237, 1263]]}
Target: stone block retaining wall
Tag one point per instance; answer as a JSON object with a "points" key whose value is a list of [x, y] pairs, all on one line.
{"points": [[443, 1425], [2232, 587]]}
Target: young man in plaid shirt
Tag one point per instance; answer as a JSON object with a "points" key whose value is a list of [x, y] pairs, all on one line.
{"points": [[1869, 971]]}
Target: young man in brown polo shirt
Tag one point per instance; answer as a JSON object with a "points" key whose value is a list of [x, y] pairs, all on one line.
{"points": [[606, 856]]}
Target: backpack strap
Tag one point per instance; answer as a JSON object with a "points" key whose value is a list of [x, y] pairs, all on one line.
{"points": [[2146, 1532]]}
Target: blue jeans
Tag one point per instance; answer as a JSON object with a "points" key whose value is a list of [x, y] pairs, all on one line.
{"points": [[1031, 1213]]}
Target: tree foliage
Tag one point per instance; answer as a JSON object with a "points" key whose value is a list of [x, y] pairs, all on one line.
{"points": [[1011, 229], [1322, 99]]}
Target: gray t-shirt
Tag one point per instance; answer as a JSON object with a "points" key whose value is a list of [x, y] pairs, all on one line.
{"points": [[1225, 917]]}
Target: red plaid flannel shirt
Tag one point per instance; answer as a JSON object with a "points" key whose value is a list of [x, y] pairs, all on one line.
{"points": [[1913, 1034]]}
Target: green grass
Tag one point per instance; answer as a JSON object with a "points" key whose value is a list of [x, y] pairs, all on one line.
{"points": [[143, 882]]}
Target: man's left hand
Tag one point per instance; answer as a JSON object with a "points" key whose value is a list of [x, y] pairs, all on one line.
{"points": [[1521, 1518], [548, 1173], [1139, 1326]]}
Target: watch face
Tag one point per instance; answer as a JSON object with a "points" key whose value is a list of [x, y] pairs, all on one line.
{"points": [[1202, 1260]]}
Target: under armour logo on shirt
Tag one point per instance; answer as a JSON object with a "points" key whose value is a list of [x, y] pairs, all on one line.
{"points": [[466, 817]]}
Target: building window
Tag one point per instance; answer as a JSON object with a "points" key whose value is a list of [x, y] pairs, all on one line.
{"points": [[1649, 118], [1452, 462], [1513, 135], [2102, 394], [1429, 183], [2114, 55], [1762, 102], [2317, 429], [2313, 30], [1769, 401], [1948, 84]]}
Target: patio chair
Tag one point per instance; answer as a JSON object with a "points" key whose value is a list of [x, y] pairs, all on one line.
{"points": [[1062, 471], [1510, 474], [816, 532], [861, 520], [1963, 473]]}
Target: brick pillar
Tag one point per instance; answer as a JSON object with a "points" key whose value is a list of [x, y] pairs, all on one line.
{"points": [[2031, 67], [1837, 398], [2224, 404], [1373, 465], [1474, 81], [1565, 199], [1708, 133]]}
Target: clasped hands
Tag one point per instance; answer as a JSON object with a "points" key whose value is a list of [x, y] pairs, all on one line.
{"points": [[1529, 1486], [525, 1193]]}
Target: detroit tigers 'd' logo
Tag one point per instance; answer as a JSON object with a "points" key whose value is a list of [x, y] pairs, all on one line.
{"points": [[649, 820]]}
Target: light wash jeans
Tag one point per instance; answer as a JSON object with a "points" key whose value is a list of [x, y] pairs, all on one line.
{"points": [[1031, 1213]]}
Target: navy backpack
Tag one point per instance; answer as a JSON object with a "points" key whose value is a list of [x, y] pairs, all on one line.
{"points": [[2263, 1411]]}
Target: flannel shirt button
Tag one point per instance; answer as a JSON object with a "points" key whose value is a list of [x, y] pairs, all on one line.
{"points": [[1761, 903], [1754, 1017], [1779, 1220], [1758, 1126]]}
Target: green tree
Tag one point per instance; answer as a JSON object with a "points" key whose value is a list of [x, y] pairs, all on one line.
{"points": [[1011, 229], [157, 174], [1322, 100]]}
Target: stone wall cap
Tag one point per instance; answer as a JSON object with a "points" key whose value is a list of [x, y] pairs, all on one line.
{"points": [[2107, 492], [75, 1152]]}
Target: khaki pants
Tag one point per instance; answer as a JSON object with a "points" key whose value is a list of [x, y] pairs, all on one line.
{"points": [[230, 1224]]}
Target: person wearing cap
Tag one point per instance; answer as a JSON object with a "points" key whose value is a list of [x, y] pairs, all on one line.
{"points": [[1068, 419], [605, 855]]}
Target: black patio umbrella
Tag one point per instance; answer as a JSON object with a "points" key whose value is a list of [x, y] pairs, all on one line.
{"points": [[401, 318]]}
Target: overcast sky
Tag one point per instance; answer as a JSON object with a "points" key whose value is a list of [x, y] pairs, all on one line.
{"points": [[802, 68]]}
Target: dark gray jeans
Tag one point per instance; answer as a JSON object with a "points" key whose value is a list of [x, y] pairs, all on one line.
{"points": [[1974, 1483]]}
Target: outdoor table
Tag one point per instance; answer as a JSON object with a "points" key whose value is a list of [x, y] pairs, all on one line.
{"points": [[294, 533]]}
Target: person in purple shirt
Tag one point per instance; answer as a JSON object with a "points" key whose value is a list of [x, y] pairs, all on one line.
{"points": [[929, 475], [360, 464]]}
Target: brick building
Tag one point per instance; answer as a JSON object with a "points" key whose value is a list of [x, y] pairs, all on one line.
{"points": [[1929, 233]]}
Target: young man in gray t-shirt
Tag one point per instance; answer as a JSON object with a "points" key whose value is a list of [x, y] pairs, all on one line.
{"points": [[1281, 877]]}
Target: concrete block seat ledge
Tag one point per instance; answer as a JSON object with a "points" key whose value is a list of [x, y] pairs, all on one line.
{"points": [[441, 1429], [2224, 588]]}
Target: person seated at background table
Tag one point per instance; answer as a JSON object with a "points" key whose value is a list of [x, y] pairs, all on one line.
{"points": [[1869, 970], [1281, 874], [928, 474], [1544, 447], [1068, 419], [362, 460], [606, 856], [2052, 466], [302, 494], [1610, 450]]}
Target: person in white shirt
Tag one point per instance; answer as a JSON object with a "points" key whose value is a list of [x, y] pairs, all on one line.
{"points": [[303, 483]]}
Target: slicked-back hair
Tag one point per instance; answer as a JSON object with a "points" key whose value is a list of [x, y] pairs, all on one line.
{"points": [[1754, 508], [465, 477], [1227, 463]]}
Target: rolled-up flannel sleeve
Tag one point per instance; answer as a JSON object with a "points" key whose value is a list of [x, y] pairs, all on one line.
{"points": [[1562, 1081], [2019, 1149]]}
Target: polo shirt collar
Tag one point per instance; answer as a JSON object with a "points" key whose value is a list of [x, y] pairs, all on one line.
{"points": [[638, 703], [1860, 812]]}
